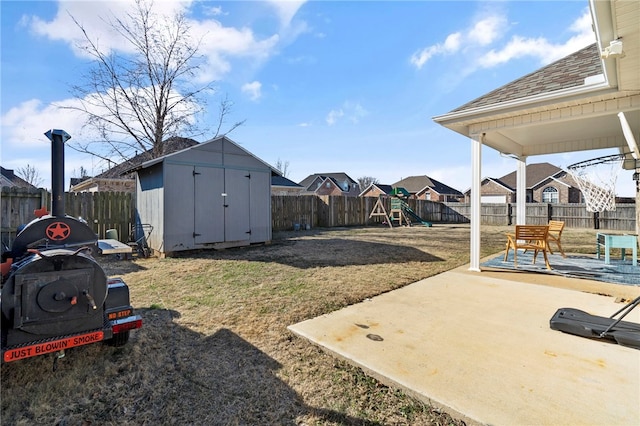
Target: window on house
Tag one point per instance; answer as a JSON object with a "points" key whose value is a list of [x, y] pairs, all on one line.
{"points": [[550, 195]]}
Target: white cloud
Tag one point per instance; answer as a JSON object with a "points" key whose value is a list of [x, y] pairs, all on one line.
{"points": [[517, 47], [488, 30], [286, 10], [24, 126], [452, 42], [541, 48], [214, 11], [351, 111], [481, 33], [253, 89], [333, 116], [220, 44], [95, 16]]}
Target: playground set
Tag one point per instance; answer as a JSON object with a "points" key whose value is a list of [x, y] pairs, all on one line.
{"points": [[400, 210]]}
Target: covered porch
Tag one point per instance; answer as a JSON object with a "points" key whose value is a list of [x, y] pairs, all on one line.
{"points": [[589, 100]]}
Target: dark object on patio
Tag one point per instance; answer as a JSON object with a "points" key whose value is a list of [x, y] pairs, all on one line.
{"points": [[580, 323]]}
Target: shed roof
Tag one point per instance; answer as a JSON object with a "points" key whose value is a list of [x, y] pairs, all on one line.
{"points": [[219, 139]]}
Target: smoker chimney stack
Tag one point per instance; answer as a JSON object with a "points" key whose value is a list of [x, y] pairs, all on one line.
{"points": [[58, 138]]}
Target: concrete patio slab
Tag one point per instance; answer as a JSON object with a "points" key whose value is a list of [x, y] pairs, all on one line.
{"points": [[479, 346]]}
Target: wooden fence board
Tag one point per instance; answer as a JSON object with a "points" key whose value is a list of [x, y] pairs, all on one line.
{"points": [[101, 210]]}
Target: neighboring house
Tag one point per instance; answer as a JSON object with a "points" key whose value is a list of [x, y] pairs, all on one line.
{"points": [[426, 188], [212, 195], [117, 179], [376, 189], [280, 185], [10, 179], [545, 183], [330, 184]]}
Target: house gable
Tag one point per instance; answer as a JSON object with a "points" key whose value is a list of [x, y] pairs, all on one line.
{"points": [[9, 178], [536, 173], [317, 184], [376, 189]]}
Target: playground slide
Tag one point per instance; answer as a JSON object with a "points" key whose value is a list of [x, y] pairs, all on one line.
{"points": [[415, 217]]}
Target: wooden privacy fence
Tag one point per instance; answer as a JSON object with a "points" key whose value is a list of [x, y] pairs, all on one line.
{"points": [[329, 211], [116, 210], [101, 210], [623, 218]]}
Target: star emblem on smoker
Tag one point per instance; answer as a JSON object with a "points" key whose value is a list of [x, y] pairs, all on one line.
{"points": [[58, 231]]}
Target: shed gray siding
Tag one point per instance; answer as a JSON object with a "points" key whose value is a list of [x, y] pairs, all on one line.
{"points": [[150, 203], [214, 194]]}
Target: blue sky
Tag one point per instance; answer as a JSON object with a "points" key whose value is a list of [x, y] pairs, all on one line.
{"points": [[327, 86]]}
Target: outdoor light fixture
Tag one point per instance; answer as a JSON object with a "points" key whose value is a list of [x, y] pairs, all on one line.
{"points": [[614, 50]]}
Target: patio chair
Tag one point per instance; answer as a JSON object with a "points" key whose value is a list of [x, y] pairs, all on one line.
{"points": [[555, 232], [528, 237]]}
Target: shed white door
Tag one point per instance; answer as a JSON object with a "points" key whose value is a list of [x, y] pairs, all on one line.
{"points": [[237, 211], [208, 205]]}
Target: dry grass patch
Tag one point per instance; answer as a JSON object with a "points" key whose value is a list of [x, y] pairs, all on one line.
{"points": [[214, 348]]}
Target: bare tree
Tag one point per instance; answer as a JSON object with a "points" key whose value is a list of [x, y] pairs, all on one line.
{"points": [[365, 181], [283, 167], [136, 101], [82, 173], [30, 175]]}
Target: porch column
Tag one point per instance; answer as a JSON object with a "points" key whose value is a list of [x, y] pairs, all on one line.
{"points": [[521, 191], [476, 178]]}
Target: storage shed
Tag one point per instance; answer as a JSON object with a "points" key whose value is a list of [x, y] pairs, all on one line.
{"points": [[211, 195]]}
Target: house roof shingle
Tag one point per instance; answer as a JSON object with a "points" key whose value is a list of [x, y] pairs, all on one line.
{"points": [[337, 177], [171, 145], [565, 73], [415, 184], [535, 174], [9, 178], [283, 181]]}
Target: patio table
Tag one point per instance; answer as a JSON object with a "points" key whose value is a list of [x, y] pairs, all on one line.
{"points": [[609, 241], [111, 246]]}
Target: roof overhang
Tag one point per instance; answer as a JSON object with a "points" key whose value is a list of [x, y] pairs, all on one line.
{"points": [[576, 119]]}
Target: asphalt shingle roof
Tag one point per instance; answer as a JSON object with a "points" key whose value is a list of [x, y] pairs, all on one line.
{"points": [[535, 174], [172, 145], [565, 73], [9, 178], [415, 184], [283, 181], [337, 177]]}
